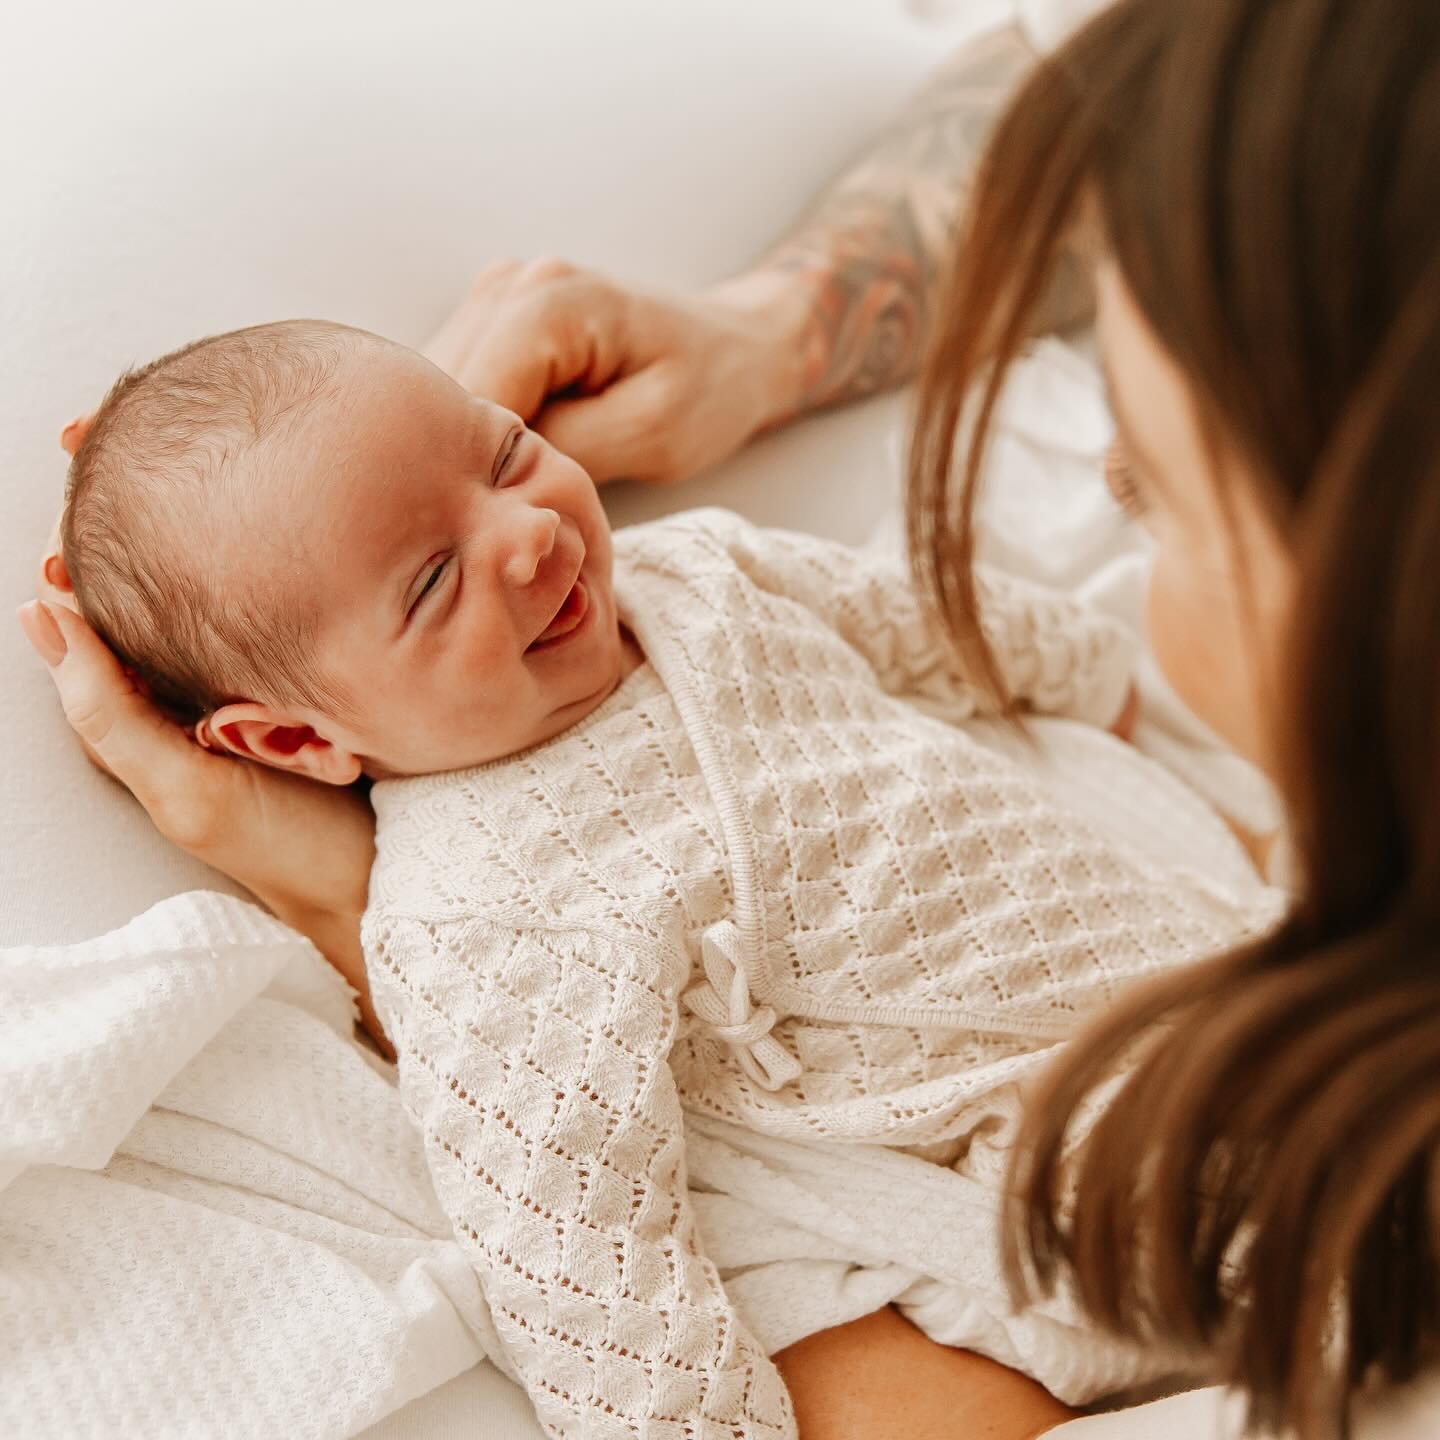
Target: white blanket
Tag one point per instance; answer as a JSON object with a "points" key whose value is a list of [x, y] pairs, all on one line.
{"points": [[215, 1219]]}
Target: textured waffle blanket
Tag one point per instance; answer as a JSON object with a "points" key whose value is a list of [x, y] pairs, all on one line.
{"points": [[215, 1219]]}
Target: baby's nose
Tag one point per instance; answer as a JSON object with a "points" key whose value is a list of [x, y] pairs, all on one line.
{"points": [[533, 541]]}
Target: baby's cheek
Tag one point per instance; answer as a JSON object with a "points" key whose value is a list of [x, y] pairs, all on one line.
{"points": [[487, 654]]}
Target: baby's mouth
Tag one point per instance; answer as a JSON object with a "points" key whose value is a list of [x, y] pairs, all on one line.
{"points": [[567, 619]]}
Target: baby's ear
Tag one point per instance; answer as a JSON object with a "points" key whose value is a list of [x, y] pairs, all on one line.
{"points": [[55, 573], [260, 732], [72, 437]]}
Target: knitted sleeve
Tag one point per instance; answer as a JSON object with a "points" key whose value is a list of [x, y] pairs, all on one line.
{"points": [[1055, 654], [535, 1065]]}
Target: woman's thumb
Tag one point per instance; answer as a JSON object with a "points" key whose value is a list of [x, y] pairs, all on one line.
{"points": [[120, 728]]}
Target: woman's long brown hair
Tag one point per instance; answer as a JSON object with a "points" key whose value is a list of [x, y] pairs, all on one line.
{"points": [[1261, 1185]]}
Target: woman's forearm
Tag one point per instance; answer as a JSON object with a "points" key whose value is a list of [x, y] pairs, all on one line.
{"points": [[336, 934], [880, 1377], [304, 849], [870, 253]]}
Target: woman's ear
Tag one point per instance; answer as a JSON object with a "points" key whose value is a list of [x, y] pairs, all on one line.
{"points": [[259, 732]]}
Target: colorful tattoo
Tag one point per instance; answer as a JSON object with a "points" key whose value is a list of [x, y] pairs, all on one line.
{"points": [[873, 245]]}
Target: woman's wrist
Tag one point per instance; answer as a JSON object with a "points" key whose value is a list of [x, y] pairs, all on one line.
{"points": [[776, 306], [304, 850], [335, 933]]}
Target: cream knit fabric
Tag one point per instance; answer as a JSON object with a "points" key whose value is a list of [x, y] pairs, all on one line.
{"points": [[760, 882]]}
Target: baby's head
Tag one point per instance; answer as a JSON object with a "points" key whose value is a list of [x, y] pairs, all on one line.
{"points": [[322, 545]]}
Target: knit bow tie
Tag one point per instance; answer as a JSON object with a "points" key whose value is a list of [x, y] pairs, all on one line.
{"points": [[725, 1004]]}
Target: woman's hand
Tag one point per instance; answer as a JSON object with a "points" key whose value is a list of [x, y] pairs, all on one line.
{"points": [[632, 385], [304, 849]]}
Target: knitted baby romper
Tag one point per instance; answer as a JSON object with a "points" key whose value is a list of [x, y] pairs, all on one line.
{"points": [[758, 881]]}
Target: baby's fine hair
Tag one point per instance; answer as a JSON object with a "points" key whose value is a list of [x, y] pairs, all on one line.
{"points": [[147, 493]]}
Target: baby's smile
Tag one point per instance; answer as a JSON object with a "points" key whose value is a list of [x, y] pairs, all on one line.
{"points": [[568, 621]]}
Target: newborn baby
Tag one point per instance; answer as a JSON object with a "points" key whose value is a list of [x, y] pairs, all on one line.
{"points": [[693, 818]]}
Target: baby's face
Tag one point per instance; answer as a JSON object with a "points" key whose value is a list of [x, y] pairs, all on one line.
{"points": [[460, 568]]}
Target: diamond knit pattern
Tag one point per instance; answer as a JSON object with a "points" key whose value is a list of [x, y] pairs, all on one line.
{"points": [[761, 818]]}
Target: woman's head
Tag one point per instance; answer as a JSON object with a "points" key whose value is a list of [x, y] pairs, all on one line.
{"points": [[1261, 182], [1223, 577]]}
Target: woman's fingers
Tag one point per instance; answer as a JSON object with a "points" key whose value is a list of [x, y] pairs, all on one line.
{"points": [[54, 574], [525, 333], [43, 633], [122, 731], [52, 580], [684, 383], [628, 430], [48, 641], [632, 385]]}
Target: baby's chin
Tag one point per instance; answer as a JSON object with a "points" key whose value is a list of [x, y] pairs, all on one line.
{"points": [[467, 751]]}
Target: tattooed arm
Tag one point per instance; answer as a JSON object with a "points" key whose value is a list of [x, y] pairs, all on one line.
{"points": [[658, 387], [870, 253]]}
